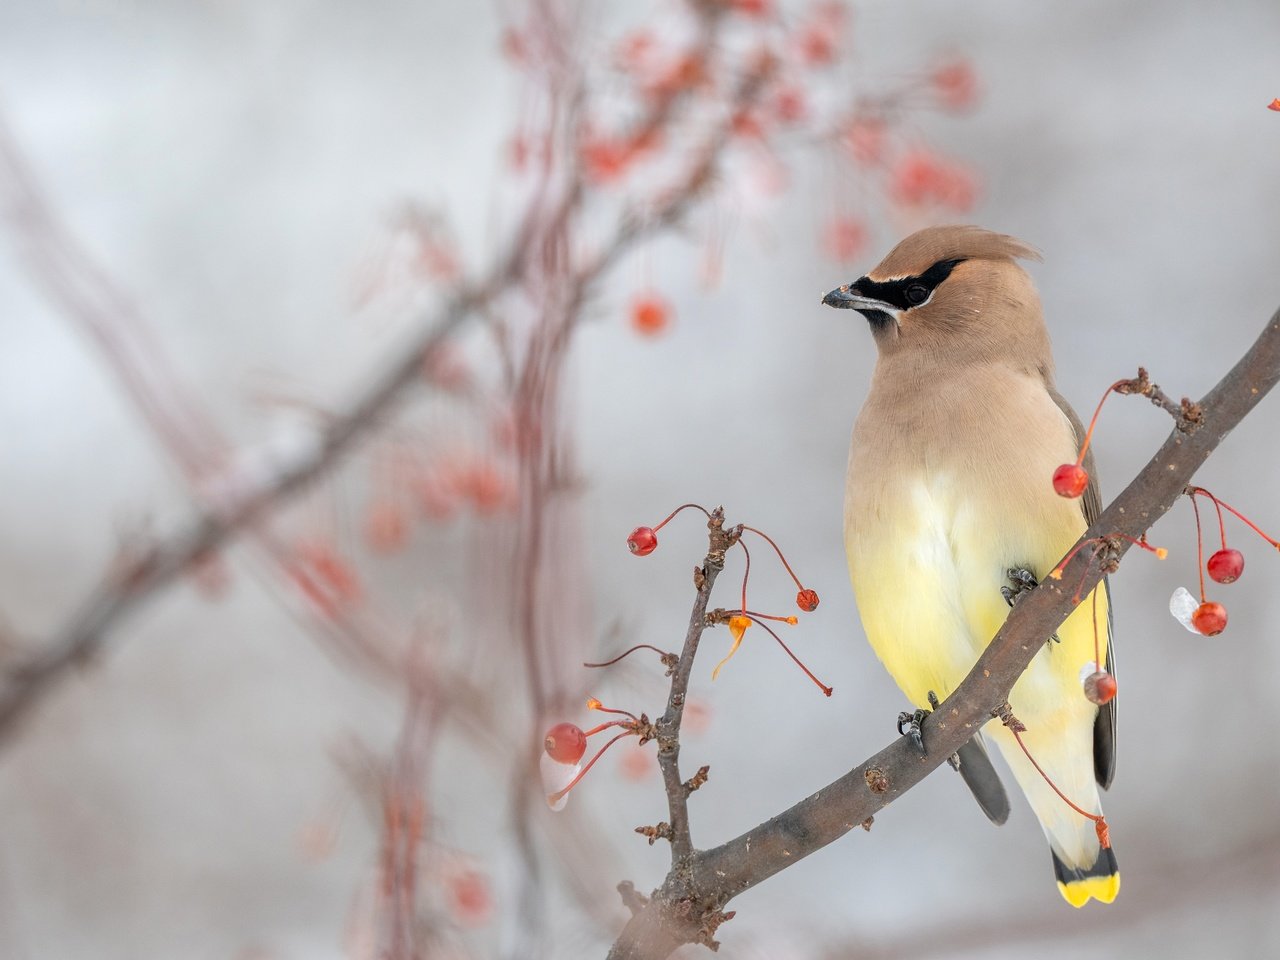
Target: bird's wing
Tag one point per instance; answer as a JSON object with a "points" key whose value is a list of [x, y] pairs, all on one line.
{"points": [[1104, 728], [983, 781]]}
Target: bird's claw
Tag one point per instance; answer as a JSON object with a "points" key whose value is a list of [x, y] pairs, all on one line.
{"points": [[913, 720], [1023, 582]]}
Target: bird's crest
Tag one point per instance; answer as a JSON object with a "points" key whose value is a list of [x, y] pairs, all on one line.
{"points": [[926, 247]]}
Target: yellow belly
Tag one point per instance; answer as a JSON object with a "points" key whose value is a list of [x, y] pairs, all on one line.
{"points": [[927, 575]]}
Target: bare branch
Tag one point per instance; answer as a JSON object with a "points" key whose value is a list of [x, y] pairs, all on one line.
{"points": [[697, 892], [668, 725]]}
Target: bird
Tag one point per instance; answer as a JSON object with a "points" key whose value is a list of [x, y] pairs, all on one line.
{"points": [[949, 498]]}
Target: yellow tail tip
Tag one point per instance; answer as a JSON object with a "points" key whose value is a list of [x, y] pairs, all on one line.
{"points": [[1079, 892]]}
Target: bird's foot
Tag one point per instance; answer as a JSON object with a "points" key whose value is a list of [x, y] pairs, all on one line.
{"points": [[1023, 582], [913, 721]]}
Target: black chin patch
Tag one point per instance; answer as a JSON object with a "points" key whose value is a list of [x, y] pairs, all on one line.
{"points": [[877, 318]]}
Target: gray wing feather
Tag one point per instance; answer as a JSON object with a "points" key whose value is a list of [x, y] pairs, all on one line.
{"points": [[1104, 728], [983, 781]]}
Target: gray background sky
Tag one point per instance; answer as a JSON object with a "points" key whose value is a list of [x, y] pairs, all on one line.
{"points": [[232, 162]]}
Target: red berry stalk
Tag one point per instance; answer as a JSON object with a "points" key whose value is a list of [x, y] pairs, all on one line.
{"points": [[806, 600], [1072, 479], [1227, 565], [1017, 728], [1099, 686], [644, 540], [1209, 618]]}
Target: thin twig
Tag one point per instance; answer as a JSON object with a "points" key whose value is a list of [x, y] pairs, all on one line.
{"points": [[668, 725]]}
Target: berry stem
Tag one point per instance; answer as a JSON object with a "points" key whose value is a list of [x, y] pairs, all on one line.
{"points": [[1201, 491], [769, 616], [745, 573], [1195, 507], [605, 726], [1160, 552], [627, 653], [594, 704], [683, 506], [1088, 434], [808, 673], [1103, 833], [778, 551], [1056, 572], [556, 797], [1097, 648]]}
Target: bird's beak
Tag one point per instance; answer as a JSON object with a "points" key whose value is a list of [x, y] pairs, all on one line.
{"points": [[843, 298]]}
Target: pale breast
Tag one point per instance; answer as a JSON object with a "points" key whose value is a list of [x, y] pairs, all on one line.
{"points": [[949, 486]]}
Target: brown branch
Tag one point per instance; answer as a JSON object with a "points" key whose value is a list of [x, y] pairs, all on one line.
{"points": [[679, 910], [668, 725], [1187, 414]]}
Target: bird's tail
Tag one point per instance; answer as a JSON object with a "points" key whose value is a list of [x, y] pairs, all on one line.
{"points": [[1085, 870], [1099, 882]]}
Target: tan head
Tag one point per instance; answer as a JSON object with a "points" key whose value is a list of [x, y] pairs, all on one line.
{"points": [[955, 294]]}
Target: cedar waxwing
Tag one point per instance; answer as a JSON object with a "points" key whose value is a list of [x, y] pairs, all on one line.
{"points": [[949, 496]]}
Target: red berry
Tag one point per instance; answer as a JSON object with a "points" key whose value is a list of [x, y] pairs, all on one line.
{"points": [[643, 541], [565, 743], [1210, 618], [807, 600], [1100, 687], [1070, 480], [1225, 566], [650, 315]]}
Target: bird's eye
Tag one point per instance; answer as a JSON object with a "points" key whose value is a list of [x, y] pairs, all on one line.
{"points": [[916, 294]]}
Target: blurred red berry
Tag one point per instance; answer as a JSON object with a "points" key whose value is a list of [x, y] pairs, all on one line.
{"points": [[470, 900], [807, 600], [386, 529], [956, 85], [684, 74], [1100, 687], [643, 541], [488, 487], [514, 47], [752, 8], [565, 743], [1070, 480], [921, 177], [649, 314], [1210, 618], [1226, 565], [747, 125], [816, 45], [1274, 104], [844, 239], [604, 161], [790, 105]]}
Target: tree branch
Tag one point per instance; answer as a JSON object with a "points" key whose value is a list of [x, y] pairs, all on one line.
{"points": [[668, 726], [679, 910]]}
